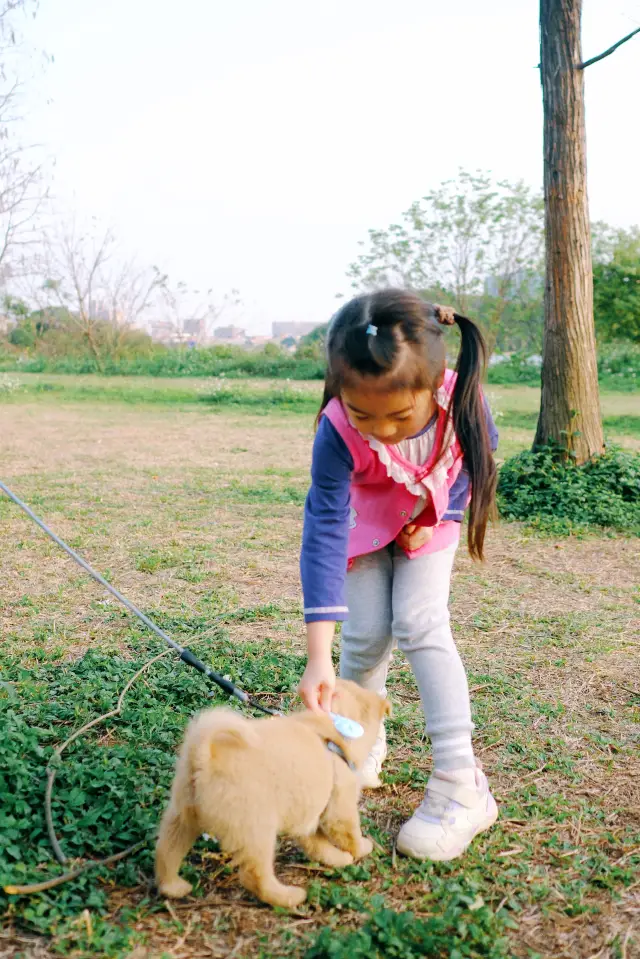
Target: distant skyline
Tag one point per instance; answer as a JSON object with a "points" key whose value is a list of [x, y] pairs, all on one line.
{"points": [[252, 145]]}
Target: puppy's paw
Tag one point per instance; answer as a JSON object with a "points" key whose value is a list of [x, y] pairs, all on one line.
{"points": [[336, 858], [291, 897], [365, 848], [176, 888]]}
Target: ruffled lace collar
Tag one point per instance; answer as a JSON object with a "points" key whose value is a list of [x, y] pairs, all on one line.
{"points": [[422, 476]]}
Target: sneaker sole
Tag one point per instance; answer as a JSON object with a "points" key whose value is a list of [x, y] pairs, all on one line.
{"points": [[407, 850], [372, 780], [372, 783]]}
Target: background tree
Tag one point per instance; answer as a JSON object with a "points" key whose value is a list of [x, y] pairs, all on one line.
{"points": [[94, 291], [472, 242], [21, 189], [569, 406], [616, 283], [191, 314]]}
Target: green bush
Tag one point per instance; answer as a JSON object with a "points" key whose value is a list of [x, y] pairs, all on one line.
{"points": [[514, 371], [559, 496], [618, 368], [619, 365], [21, 336], [618, 362], [157, 360]]}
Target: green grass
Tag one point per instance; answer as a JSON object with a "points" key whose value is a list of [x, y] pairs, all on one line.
{"points": [[626, 425], [175, 505], [515, 407], [109, 791], [261, 397], [107, 794]]}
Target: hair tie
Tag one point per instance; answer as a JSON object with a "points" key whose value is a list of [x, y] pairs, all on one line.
{"points": [[372, 330], [445, 315]]}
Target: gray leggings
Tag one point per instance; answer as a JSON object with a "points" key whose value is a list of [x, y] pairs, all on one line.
{"points": [[393, 599]]}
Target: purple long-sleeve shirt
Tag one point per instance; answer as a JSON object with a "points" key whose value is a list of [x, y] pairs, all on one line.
{"points": [[323, 559]]}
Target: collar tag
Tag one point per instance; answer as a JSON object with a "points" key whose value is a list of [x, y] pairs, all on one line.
{"points": [[348, 728]]}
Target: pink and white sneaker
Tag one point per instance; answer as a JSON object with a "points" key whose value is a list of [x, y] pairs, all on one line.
{"points": [[450, 816], [370, 772]]}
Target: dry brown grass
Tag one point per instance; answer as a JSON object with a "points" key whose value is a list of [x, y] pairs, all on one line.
{"points": [[549, 629]]}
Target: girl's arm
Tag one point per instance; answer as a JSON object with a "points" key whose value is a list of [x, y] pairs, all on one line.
{"points": [[323, 560]]}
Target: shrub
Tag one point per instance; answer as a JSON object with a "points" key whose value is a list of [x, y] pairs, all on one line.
{"points": [[560, 496], [514, 371], [154, 359], [21, 336], [619, 365]]}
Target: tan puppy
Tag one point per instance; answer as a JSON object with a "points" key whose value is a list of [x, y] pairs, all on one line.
{"points": [[246, 781]]}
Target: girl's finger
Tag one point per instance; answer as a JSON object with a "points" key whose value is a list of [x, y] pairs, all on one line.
{"points": [[326, 695], [308, 697]]}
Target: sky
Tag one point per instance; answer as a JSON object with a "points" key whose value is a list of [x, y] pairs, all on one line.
{"points": [[251, 144]]}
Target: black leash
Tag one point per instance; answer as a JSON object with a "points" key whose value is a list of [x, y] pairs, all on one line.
{"points": [[185, 654]]}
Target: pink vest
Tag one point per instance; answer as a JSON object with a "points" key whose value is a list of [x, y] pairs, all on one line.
{"points": [[382, 506]]}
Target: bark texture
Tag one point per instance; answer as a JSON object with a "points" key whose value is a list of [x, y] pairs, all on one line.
{"points": [[570, 403]]}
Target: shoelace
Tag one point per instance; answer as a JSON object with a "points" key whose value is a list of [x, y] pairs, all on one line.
{"points": [[434, 809]]}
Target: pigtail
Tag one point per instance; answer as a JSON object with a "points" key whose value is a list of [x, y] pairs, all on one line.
{"points": [[470, 425], [327, 396]]}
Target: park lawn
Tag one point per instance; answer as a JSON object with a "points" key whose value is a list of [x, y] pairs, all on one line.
{"points": [[515, 408], [193, 510]]}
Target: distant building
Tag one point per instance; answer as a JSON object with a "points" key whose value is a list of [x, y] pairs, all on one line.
{"points": [[286, 328], [230, 334], [194, 330], [162, 331]]}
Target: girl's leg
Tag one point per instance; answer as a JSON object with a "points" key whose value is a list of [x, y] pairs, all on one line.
{"points": [[422, 630], [367, 643], [457, 803], [366, 635]]}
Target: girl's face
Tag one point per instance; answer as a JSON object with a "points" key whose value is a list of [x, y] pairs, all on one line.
{"points": [[390, 416]]}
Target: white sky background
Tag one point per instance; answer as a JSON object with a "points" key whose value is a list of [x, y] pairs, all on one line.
{"points": [[252, 143]]}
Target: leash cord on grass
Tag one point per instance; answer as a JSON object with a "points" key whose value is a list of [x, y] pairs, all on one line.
{"points": [[66, 876], [14, 890], [51, 775]]}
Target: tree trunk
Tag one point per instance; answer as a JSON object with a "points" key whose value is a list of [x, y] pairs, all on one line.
{"points": [[570, 407]]}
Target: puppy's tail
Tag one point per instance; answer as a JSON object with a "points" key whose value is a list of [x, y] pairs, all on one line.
{"points": [[218, 729]]}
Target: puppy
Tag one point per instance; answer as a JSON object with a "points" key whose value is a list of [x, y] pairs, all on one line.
{"points": [[246, 781]]}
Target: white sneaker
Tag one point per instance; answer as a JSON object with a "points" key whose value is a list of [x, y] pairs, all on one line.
{"points": [[370, 772], [448, 819]]}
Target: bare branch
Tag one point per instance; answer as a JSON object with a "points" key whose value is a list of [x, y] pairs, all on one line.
{"points": [[91, 291], [587, 63], [21, 187]]}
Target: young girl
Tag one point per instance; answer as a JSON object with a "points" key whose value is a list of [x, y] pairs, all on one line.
{"points": [[403, 445]]}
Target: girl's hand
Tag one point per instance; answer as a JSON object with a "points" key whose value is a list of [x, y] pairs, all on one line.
{"points": [[413, 537], [318, 684], [319, 680]]}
